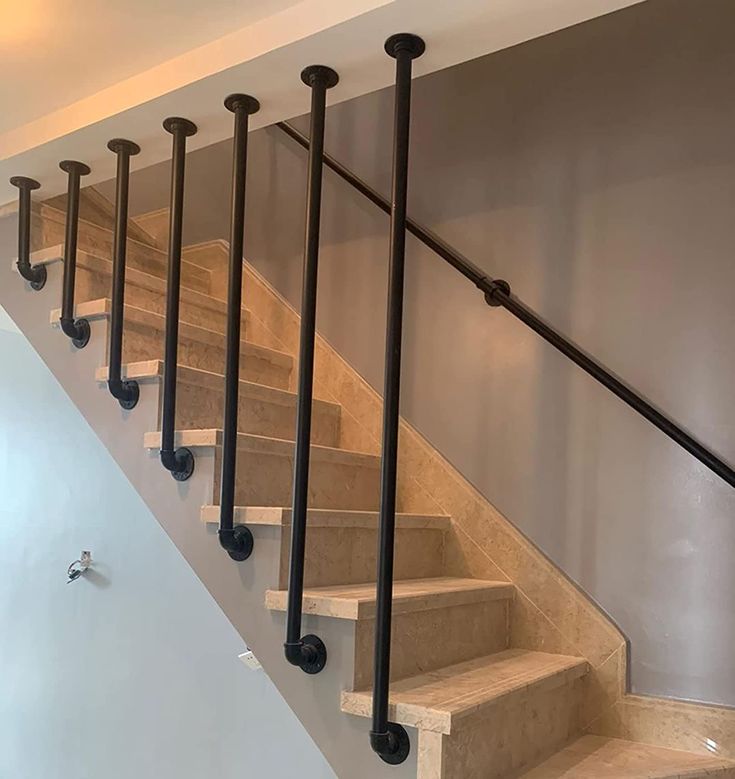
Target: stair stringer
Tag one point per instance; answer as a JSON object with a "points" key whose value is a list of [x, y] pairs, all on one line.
{"points": [[239, 589]]}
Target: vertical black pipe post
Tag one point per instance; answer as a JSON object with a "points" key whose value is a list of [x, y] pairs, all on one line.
{"points": [[388, 739], [77, 330], [309, 652], [236, 540], [126, 392], [179, 462], [34, 275]]}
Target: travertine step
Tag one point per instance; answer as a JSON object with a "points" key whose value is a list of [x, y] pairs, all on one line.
{"points": [[597, 757], [328, 518], [98, 241], [94, 207], [142, 290], [341, 545], [338, 478], [470, 616], [143, 339], [264, 411], [442, 700], [357, 602]]}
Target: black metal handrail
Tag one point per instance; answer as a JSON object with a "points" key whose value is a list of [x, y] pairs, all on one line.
{"points": [[179, 462], [307, 652], [126, 392], [498, 294], [78, 330], [237, 540], [388, 739], [34, 275]]}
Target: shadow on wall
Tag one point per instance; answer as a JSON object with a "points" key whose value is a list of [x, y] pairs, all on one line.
{"points": [[133, 668], [595, 170]]}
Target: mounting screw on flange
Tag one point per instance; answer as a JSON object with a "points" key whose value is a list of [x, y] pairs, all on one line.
{"points": [[313, 654], [75, 167], [184, 464], [320, 75], [405, 41], [393, 746], [237, 542], [132, 396], [123, 145], [83, 333], [177, 124], [240, 102]]}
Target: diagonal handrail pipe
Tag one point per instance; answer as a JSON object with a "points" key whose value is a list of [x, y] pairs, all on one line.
{"points": [[497, 293]]}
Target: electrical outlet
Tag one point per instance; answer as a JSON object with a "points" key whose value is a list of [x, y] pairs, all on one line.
{"points": [[250, 660]]}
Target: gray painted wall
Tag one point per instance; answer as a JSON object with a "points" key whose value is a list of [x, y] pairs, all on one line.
{"points": [[132, 671], [595, 170]]}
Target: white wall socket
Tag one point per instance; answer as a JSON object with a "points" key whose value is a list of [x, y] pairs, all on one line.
{"points": [[250, 660]]}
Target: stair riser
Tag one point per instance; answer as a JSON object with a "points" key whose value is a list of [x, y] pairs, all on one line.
{"points": [[202, 407], [91, 285], [348, 555], [140, 342], [512, 736], [427, 640], [266, 480], [98, 241]]}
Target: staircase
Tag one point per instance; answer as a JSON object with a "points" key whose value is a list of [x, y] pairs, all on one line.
{"points": [[413, 612], [482, 697]]}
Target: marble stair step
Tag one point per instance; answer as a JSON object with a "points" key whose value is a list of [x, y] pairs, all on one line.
{"points": [[443, 700], [143, 339], [357, 602], [265, 411], [338, 478], [94, 207], [341, 545], [49, 230], [470, 616], [598, 757], [142, 290]]}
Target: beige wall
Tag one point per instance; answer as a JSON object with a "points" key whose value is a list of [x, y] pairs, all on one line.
{"points": [[595, 170]]}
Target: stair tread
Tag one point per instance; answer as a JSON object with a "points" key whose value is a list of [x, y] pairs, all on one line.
{"points": [[263, 445], [338, 518], [55, 253], [608, 758], [102, 306], [438, 700], [153, 370], [357, 601], [133, 276]]}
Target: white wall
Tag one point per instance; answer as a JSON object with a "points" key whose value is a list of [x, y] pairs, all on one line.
{"points": [[132, 671]]}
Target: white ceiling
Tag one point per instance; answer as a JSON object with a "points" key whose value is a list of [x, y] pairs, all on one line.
{"points": [[55, 52], [71, 81]]}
